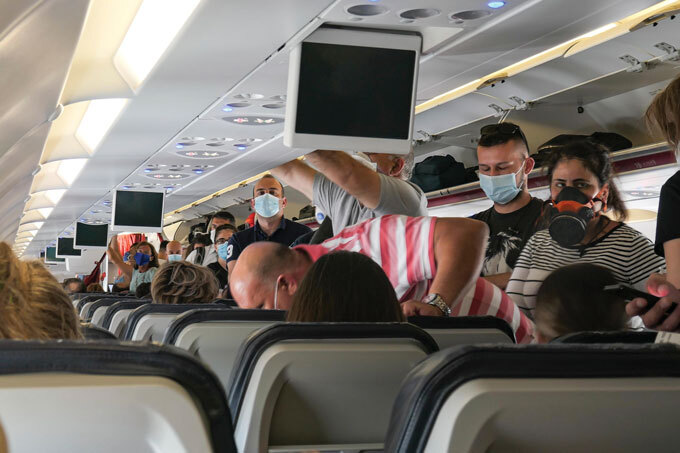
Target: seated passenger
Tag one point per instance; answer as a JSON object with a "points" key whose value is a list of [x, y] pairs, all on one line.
{"points": [[571, 299], [433, 265], [74, 286], [145, 267], [143, 291], [663, 116], [174, 251], [162, 253], [268, 202], [94, 288], [345, 287], [122, 282], [183, 283], [33, 305], [222, 235], [582, 190], [349, 192], [504, 167]]}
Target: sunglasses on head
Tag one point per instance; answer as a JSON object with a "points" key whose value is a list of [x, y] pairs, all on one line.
{"points": [[509, 129]]}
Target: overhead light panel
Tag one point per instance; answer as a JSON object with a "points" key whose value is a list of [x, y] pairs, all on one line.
{"points": [[152, 30], [98, 119], [54, 195], [45, 212], [69, 169]]}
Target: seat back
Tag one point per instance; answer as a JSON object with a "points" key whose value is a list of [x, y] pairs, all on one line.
{"points": [[117, 314], [148, 399], [315, 386], [557, 397], [622, 336], [215, 336], [455, 331], [91, 332], [90, 308], [149, 322], [90, 297]]}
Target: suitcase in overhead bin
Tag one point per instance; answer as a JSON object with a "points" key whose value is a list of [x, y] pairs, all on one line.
{"points": [[438, 172]]}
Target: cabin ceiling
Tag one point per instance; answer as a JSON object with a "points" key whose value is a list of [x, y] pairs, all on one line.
{"points": [[177, 131]]}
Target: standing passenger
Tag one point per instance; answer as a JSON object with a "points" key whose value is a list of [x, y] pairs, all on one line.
{"points": [[270, 225], [350, 192], [504, 167]]}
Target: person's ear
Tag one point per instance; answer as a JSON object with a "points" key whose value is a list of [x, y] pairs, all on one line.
{"points": [[288, 284], [529, 165], [397, 166], [252, 203], [284, 202], [604, 196]]}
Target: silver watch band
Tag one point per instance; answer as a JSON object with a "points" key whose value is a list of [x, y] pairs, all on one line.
{"points": [[437, 301]]}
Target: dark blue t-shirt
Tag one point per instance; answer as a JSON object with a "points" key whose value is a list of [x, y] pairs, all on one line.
{"points": [[285, 234]]}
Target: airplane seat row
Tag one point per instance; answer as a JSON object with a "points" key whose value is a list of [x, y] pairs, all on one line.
{"points": [[92, 332], [557, 397], [149, 398]]}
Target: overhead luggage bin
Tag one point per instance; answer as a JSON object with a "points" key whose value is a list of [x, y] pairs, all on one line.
{"points": [[321, 386], [104, 397], [565, 398]]}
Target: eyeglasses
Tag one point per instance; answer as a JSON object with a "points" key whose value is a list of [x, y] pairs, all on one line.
{"points": [[504, 129], [221, 241]]}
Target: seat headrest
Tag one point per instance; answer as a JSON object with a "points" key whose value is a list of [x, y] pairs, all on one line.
{"points": [[218, 314], [154, 308], [253, 346], [429, 384], [127, 359], [121, 305], [91, 332], [621, 336], [463, 322]]}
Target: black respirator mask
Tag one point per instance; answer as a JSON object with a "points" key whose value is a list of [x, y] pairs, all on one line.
{"points": [[571, 212]]}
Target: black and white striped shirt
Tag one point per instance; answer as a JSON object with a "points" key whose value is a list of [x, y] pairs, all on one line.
{"points": [[625, 251]]}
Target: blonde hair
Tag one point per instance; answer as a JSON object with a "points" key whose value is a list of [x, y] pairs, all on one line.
{"points": [[33, 305], [181, 282], [663, 114]]}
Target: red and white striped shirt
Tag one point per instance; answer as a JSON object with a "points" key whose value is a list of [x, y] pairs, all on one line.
{"points": [[404, 248]]}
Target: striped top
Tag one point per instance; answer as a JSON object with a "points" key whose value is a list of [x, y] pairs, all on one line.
{"points": [[625, 251], [404, 248]]}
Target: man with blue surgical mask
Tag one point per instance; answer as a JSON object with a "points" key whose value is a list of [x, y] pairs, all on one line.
{"points": [[222, 235], [270, 225], [504, 166]]}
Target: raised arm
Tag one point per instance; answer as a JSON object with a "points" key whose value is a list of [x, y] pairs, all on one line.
{"points": [[459, 246], [356, 179], [114, 255], [298, 175]]}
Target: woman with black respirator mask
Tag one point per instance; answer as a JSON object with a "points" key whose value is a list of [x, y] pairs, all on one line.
{"points": [[582, 190]]}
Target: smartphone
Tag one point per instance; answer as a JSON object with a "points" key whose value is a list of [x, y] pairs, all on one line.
{"points": [[629, 293]]}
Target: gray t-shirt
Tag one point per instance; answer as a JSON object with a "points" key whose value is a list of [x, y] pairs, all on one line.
{"points": [[396, 197]]}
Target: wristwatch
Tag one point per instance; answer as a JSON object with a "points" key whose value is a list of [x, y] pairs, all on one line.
{"points": [[437, 301]]}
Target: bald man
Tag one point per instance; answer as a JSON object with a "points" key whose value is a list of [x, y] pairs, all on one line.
{"points": [[174, 251], [432, 263]]}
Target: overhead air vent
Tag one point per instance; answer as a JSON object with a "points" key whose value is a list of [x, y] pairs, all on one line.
{"points": [[367, 10], [203, 154], [253, 120], [249, 96], [469, 15], [419, 13], [275, 105]]}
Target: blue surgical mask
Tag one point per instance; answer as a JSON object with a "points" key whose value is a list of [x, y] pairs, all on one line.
{"points": [[142, 258], [174, 257], [267, 205], [222, 251], [501, 189]]}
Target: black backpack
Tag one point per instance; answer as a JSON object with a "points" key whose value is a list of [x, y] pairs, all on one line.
{"points": [[438, 172]]}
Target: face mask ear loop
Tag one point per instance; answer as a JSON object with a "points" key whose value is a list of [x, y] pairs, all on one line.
{"points": [[276, 293]]}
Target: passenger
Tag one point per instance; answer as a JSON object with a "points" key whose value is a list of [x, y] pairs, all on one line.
{"points": [[415, 253], [33, 305], [582, 189], [222, 235], [504, 167], [219, 219], [349, 191], [268, 202], [663, 115], [123, 281], [183, 283], [174, 251], [162, 253], [94, 288], [199, 249], [145, 267], [572, 299], [143, 291], [74, 286], [345, 287]]}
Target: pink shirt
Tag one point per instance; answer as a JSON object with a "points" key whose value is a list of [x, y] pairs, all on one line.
{"points": [[404, 248]]}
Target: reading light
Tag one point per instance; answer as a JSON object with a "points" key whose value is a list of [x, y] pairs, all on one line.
{"points": [[69, 169], [155, 25], [496, 4], [98, 119]]}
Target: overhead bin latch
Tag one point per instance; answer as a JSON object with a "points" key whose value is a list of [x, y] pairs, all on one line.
{"points": [[671, 52], [521, 103], [635, 64], [498, 109]]}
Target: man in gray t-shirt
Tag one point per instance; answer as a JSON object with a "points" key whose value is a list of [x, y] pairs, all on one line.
{"points": [[349, 192]]}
